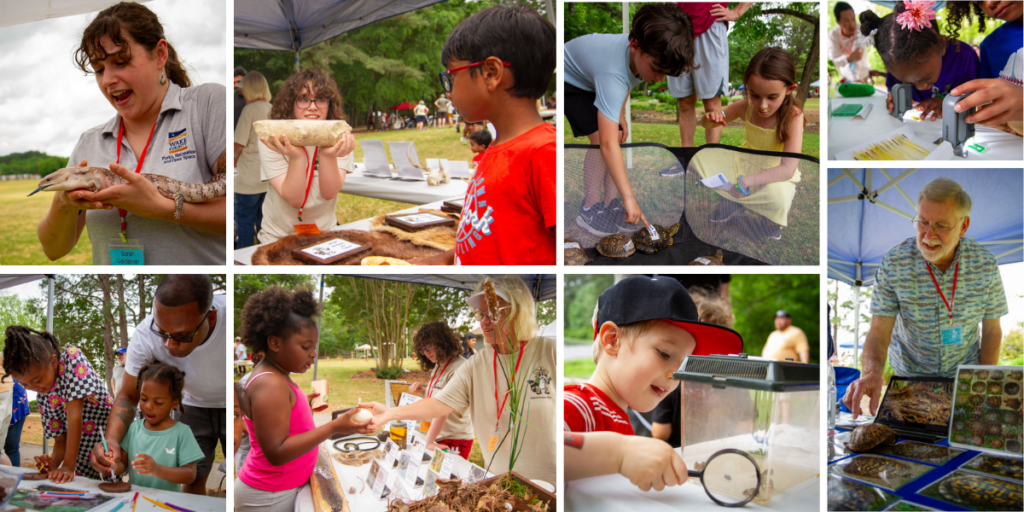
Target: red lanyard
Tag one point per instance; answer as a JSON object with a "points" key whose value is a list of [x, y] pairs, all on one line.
{"points": [[437, 377], [952, 298], [309, 171], [138, 167], [852, 39], [495, 361]]}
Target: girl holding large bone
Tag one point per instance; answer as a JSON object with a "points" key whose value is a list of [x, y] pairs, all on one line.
{"points": [[164, 126]]}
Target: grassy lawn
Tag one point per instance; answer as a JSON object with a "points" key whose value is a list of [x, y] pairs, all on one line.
{"points": [[346, 391], [570, 341], [432, 143], [21, 216], [580, 368]]}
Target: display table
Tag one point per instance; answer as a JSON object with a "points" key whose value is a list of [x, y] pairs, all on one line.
{"points": [[614, 492], [190, 501], [845, 132], [414, 192], [354, 477], [244, 256]]}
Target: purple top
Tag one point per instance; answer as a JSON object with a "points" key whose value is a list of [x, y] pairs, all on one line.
{"points": [[957, 67]]}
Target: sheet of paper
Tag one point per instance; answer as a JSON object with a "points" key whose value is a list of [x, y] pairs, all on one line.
{"points": [[717, 181], [863, 114]]}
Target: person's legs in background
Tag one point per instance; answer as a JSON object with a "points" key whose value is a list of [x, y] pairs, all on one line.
{"points": [[248, 218], [713, 135], [687, 120], [12, 445]]}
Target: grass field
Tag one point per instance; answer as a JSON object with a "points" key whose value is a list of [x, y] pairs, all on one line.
{"points": [[579, 368], [19, 244], [347, 392]]}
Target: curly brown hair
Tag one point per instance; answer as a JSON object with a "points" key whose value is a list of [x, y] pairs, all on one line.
{"points": [[276, 312], [437, 334], [296, 87], [957, 12], [164, 374]]}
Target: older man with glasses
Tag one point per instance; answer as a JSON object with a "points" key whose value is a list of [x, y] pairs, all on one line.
{"points": [[186, 330], [930, 295]]}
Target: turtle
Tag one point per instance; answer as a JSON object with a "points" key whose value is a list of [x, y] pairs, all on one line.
{"points": [[982, 492], [981, 374], [978, 387], [645, 244], [962, 399], [976, 427], [963, 387], [919, 451], [996, 443], [574, 253], [993, 430], [615, 246], [997, 375], [868, 437], [959, 426], [977, 414], [995, 388], [977, 440], [869, 466], [1017, 375], [1011, 418], [966, 375], [960, 412], [994, 401], [1013, 446], [976, 400], [716, 260], [1012, 403], [1011, 388], [846, 494]]}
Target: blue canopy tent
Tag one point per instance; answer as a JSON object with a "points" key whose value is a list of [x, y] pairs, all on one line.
{"points": [[293, 25], [869, 212]]}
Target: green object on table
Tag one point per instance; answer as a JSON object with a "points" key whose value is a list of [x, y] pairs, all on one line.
{"points": [[856, 90], [847, 110]]}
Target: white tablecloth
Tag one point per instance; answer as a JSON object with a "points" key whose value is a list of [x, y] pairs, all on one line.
{"points": [[244, 256], [413, 192], [845, 133], [189, 501], [363, 500], [614, 492]]}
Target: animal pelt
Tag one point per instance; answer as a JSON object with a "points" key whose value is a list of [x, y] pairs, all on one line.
{"points": [[438, 237], [383, 244]]}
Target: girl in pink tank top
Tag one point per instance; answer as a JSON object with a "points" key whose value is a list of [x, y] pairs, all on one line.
{"points": [[284, 446]]}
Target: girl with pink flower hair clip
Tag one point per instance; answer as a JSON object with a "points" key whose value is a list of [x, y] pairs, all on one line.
{"points": [[914, 51], [73, 399]]}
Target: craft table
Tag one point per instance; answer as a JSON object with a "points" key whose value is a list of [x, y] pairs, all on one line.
{"points": [[244, 256], [909, 492], [413, 192], [614, 492], [363, 499], [846, 132], [189, 501]]}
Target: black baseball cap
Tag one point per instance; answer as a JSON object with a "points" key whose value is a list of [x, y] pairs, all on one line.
{"points": [[782, 313], [641, 298]]}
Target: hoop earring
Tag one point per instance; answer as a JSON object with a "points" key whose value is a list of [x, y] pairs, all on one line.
{"points": [[163, 79]]}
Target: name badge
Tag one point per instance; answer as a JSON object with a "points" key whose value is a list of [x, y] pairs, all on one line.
{"points": [[129, 252], [306, 229], [952, 335]]}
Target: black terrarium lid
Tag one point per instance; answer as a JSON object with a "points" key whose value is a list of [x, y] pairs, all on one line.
{"points": [[739, 371]]}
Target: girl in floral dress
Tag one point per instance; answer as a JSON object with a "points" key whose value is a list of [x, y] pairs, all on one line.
{"points": [[72, 399]]}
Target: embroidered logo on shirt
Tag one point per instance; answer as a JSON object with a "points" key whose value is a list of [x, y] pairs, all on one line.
{"points": [[540, 381], [177, 141], [170, 451]]}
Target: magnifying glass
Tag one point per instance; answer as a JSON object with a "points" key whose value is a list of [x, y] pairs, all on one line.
{"points": [[730, 478]]}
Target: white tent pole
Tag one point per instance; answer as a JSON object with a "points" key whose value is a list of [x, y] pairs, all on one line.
{"points": [[1011, 251], [837, 179], [894, 210], [840, 274], [629, 117], [49, 329], [843, 199], [893, 181], [319, 323], [856, 318], [853, 178], [902, 175], [1000, 242]]}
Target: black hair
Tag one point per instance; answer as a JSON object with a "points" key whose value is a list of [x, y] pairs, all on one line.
{"points": [[665, 32], [897, 45], [25, 346], [957, 12], [512, 33], [482, 137], [240, 71], [164, 374], [839, 8], [276, 312], [180, 289]]}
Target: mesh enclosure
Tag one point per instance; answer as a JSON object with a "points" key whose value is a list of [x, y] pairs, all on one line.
{"points": [[777, 224]]}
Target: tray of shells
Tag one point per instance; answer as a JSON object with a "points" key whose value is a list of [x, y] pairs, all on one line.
{"points": [[987, 409]]}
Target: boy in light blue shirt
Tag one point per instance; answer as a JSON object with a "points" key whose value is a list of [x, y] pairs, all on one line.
{"points": [[600, 70]]}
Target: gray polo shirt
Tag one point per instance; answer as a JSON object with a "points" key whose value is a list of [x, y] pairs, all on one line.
{"points": [[188, 139]]}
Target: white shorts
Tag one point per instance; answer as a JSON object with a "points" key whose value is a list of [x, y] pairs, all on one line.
{"points": [[250, 499], [711, 79], [6, 410]]}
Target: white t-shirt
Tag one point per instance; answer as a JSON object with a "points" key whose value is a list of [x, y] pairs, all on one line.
{"points": [[205, 368], [240, 352]]}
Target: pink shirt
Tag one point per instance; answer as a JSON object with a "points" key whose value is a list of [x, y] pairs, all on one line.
{"points": [[259, 473]]}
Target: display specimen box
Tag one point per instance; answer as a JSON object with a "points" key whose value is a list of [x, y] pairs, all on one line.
{"points": [[329, 251], [455, 206], [417, 221]]}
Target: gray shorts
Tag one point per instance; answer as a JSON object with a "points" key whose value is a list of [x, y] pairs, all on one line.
{"points": [[711, 79], [208, 426], [252, 499]]}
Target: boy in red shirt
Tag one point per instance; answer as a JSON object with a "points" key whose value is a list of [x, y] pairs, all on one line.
{"points": [[478, 143], [643, 329], [499, 62]]}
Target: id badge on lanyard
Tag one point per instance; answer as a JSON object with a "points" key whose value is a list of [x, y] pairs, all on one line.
{"points": [[952, 334], [124, 250], [308, 228]]}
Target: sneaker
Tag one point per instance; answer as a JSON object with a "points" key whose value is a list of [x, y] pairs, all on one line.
{"points": [[617, 215], [675, 169], [768, 228], [596, 221], [462, 140], [725, 211]]}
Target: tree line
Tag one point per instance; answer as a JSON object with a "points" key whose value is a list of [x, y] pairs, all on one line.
{"points": [[31, 162]]}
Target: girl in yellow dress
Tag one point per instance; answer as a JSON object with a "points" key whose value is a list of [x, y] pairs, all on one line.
{"points": [[764, 184]]}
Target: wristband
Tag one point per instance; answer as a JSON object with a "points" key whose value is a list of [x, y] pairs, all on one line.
{"points": [[746, 191]]}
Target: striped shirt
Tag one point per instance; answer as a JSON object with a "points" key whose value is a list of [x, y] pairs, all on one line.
{"points": [[904, 289], [588, 409]]}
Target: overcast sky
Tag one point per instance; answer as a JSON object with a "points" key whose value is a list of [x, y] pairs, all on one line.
{"points": [[46, 103]]}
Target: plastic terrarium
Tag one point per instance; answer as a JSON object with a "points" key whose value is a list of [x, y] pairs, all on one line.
{"points": [[769, 409]]}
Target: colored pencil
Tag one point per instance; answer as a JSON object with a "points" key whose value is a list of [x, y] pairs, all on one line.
{"points": [[134, 499], [157, 503], [118, 507], [182, 509], [106, 449]]}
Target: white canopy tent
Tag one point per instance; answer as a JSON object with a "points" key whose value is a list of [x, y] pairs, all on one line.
{"points": [[869, 212], [25, 12]]}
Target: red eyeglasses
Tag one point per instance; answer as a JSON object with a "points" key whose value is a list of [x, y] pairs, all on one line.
{"points": [[446, 79]]}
